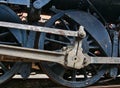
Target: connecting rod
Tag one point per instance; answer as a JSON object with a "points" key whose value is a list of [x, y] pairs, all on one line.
{"points": [[72, 57]]}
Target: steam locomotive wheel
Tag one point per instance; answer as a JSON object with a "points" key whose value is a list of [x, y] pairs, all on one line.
{"points": [[67, 76], [8, 69]]}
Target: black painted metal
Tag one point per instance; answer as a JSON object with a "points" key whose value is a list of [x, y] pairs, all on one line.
{"points": [[108, 8]]}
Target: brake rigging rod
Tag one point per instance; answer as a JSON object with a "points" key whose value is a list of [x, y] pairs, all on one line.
{"points": [[39, 29]]}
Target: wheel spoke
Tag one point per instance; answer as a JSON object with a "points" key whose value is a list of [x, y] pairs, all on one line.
{"points": [[92, 54], [74, 72], [4, 34], [90, 41], [10, 43], [61, 70], [66, 26], [56, 41], [5, 69], [93, 47], [84, 73], [94, 69]]}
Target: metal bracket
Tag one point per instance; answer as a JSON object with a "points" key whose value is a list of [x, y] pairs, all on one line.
{"points": [[75, 57]]}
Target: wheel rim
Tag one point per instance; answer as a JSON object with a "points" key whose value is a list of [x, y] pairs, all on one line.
{"points": [[8, 69], [66, 76]]}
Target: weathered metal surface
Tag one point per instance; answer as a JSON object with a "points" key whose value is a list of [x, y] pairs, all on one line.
{"points": [[75, 57], [67, 58], [8, 15], [26, 67], [32, 54], [94, 27], [19, 2], [104, 60], [8, 73], [43, 55], [14, 59], [114, 69], [38, 4], [39, 29], [63, 74], [52, 56], [11, 37]]}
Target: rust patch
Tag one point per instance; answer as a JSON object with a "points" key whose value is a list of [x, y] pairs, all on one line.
{"points": [[61, 32]]}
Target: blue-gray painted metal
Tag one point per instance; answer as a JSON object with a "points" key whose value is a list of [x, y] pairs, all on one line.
{"points": [[19, 2], [26, 67], [43, 35], [40, 3], [94, 27], [53, 74], [114, 68], [8, 15]]}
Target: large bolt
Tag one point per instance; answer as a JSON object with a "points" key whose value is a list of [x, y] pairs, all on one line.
{"points": [[81, 33], [64, 48]]}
